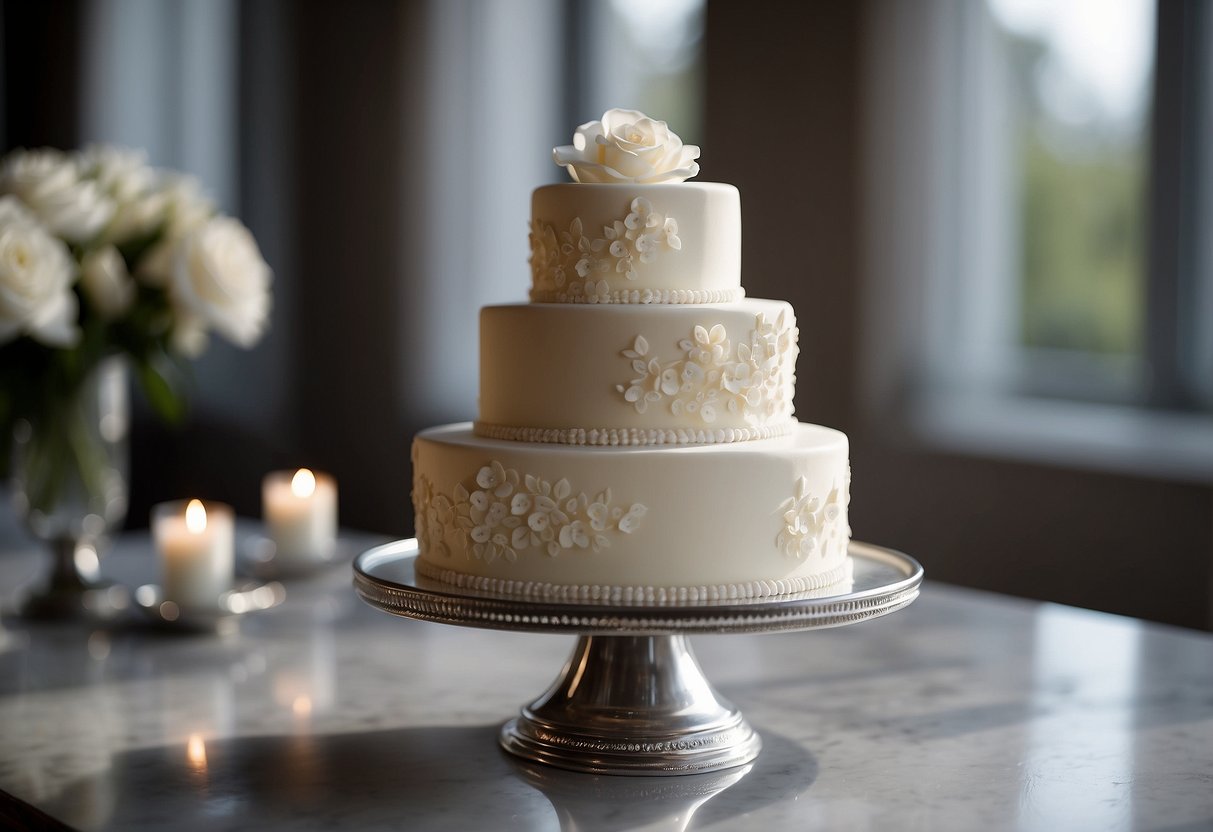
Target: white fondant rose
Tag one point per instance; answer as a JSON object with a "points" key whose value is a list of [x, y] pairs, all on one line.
{"points": [[106, 282], [36, 274], [220, 279], [627, 146], [50, 185]]}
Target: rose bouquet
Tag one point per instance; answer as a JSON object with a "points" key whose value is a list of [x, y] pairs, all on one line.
{"points": [[102, 255]]}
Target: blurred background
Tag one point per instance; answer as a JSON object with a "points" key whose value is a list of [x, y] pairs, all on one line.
{"points": [[992, 218]]}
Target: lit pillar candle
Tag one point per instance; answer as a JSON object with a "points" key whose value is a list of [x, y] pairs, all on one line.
{"points": [[196, 543], [300, 512]]}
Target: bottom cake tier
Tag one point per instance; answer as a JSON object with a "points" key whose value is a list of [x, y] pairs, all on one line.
{"points": [[636, 524]]}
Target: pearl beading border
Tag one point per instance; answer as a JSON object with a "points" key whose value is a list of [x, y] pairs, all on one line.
{"points": [[625, 296], [638, 595], [630, 437]]}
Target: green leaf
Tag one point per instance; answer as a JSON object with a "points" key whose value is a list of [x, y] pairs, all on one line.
{"points": [[133, 250], [156, 377]]}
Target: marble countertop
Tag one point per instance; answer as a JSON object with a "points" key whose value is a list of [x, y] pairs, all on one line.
{"points": [[964, 711]]}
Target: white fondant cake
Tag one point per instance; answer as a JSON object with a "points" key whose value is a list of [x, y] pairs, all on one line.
{"points": [[742, 520], [677, 243], [633, 375], [635, 440]]}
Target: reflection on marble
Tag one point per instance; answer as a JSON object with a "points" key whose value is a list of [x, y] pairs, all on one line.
{"points": [[605, 804], [1071, 659], [964, 711], [591, 803]]}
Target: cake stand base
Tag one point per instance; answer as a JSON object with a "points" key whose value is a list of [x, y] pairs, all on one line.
{"points": [[632, 698], [632, 705]]}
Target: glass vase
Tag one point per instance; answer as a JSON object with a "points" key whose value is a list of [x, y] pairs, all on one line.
{"points": [[70, 469]]}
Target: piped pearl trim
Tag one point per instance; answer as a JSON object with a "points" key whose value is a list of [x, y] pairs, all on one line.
{"points": [[640, 595], [678, 296], [627, 437]]}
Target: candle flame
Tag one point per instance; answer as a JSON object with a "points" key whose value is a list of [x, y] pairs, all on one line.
{"points": [[195, 517], [195, 751], [303, 484]]}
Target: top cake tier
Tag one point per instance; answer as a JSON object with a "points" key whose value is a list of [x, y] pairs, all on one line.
{"points": [[636, 243]]}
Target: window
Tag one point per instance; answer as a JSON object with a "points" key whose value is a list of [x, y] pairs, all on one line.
{"points": [[1039, 175], [1076, 82], [642, 56]]}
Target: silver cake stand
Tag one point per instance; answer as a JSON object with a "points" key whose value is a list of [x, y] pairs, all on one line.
{"points": [[632, 698]]}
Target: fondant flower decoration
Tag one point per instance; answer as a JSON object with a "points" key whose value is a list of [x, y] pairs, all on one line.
{"points": [[751, 380], [627, 146], [509, 513]]}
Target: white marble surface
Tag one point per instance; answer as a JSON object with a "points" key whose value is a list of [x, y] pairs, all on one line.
{"points": [[965, 711]]}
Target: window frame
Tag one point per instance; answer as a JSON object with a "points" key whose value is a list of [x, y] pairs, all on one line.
{"points": [[1179, 283]]}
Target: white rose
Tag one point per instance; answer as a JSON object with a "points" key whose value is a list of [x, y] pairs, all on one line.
{"points": [[122, 173], [106, 282], [27, 173], [627, 146], [36, 272], [188, 206], [12, 211], [126, 178], [185, 209], [189, 335], [49, 183], [220, 279], [136, 218]]}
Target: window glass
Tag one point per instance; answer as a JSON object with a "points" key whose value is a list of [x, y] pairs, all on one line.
{"points": [[648, 57], [1080, 81]]}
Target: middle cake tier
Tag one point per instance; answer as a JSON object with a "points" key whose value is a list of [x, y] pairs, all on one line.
{"points": [[637, 375]]}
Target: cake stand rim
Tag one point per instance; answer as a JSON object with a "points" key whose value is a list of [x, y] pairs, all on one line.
{"points": [[453, 605]]}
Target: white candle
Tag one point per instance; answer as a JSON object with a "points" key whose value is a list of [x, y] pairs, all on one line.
{"points": [[300, 512], [196, 543]]}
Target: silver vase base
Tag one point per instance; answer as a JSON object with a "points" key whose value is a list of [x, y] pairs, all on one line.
{"points": [[72, 590], [98, 601]]}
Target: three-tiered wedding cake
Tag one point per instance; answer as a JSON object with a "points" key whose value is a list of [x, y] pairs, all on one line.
{"points": [[636, 442]]}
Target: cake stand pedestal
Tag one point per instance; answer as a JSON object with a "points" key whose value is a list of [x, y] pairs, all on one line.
{"points": [[632, 698]]}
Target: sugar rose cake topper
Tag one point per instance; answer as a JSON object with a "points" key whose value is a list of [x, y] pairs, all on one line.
{"points": [[627, 146]]}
